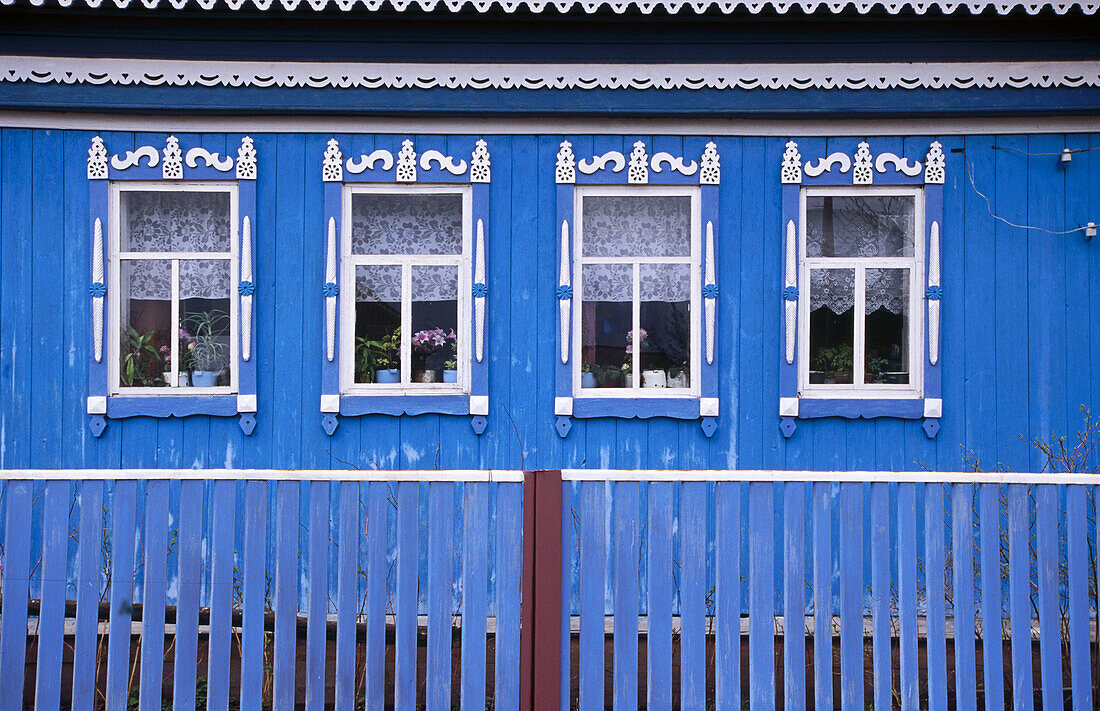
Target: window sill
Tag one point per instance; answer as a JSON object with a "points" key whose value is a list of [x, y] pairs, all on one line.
{"points": [[684, 407], [120, 406], [908, 408], [352, 405]]}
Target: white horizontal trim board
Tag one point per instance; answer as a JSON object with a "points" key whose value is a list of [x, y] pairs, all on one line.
{"points": [[591, 6], [465, 475], [755, 475], [556, 126], [434, 75]]}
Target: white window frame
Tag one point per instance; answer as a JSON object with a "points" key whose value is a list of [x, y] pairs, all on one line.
{"points": [[915, 265], [114, 293], [350, 261], [696, 306]]}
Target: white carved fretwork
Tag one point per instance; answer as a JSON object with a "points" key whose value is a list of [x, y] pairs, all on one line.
{"points": [[246, 288], [246, 160], [565, 170], [639, 164], [480, 293], [211, 160], [479, 164], [367, 162], [934, 165], [97, 160], [791, 172], [446, 163], [616, 159], [172, 168], [676, 163], [790, 291], [332, 170], [825, 165], [934, 293], [710, 292], [330, 289], [406, 163], [133, 158], [711, 171], [901, 165], [565, 292], [99, 291], [861, 172]]}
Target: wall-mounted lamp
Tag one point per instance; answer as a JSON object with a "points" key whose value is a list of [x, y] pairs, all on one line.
{"points": [[1090, 230], [1066, 156]]}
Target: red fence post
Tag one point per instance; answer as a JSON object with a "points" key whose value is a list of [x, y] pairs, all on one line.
{"points": [[540, 619]]}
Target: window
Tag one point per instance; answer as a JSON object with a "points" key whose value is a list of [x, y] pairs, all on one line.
{"points": [[405, 314], [637, 256], [861, 269], [174, 315]]}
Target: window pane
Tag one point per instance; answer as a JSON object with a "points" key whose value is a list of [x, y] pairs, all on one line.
{"points": [[606, 323], [887, 314], [158, 221], [642, 226], [860, 226], [406, 224], [434, 338], [145, 321], [205, 321], [665, 350], [378, 324], [832, 297]]}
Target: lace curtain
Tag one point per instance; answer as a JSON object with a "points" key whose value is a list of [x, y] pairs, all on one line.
{"points": [[382, 283], [884, 288], [176, 222], [643, 226]]}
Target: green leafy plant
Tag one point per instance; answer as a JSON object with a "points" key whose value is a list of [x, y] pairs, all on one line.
{"points": [[586, 367], [451, 363], [876, 365], [834, 359], [374, 354], [206, 350], [142, 365]]}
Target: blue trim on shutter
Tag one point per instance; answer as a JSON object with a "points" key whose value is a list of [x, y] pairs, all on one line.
{"points": [[709, 212], [246, 207], [479, 372], [563, 380], [330, 370], [788, 372], [98, 207]]}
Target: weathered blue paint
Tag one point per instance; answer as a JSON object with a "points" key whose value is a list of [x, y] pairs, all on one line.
{"points": [[907, 595], [962, 609], [992, 644], [1077, 582], [936, 646], [625, 591], [727, 643], [1047, 561], [693, 592], [1019, 605], [659, 600], [154, 594], [794, 595]]}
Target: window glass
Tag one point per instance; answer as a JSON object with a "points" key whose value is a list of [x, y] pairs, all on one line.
{"points": [[433, 339], [378, 323], [606, 323], [665, 315], [860, 226], [832, 336], [161, 221], [204, 321], [145, 323], [642, 226], [887, 326], [388, 223]]}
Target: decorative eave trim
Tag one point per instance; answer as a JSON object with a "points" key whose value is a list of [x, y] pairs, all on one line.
{"points": [[427, 75], [618, 7], [861, 166]]}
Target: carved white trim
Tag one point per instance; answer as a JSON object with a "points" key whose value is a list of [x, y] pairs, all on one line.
{"points": [[406, 162], [708, 407], [479, 163], [790, 280], [861, 168], [246, 299], [172, 167], [446, 163], [97, 160], [133, 158], [330, 278], [934, 282], [565, 168], [934, 165], [791, 171], [563, 406], [246, 160], [901, 164], [332, 169], [97, 278], [639, 164], [673, 162], [825, 165], [618, 162], [367, 162], [710, 301], [479, 404], [212, 160], [711, 172], [564, 282], [584, 77], [479, 301]]}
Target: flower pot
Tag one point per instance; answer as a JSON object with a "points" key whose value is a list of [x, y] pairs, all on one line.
{"points": [[387, 375], [450, 376], [204, 378], [628, 380], [654, 379], [425, 376], [680, 380], [588, 380]]}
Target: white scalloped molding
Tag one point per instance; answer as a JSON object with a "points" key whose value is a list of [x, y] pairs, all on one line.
{"points": [[619, 7], [352, 75]]}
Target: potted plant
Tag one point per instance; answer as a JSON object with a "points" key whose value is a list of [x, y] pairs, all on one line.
{"points": [[876, 369], [836, 362], [206, 349], [588, 378], [377, 361], [424, 345], [140, 365], [632, 338], [450, 370], [679, 376]]}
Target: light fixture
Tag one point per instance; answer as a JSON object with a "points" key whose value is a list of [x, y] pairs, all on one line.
{"points": [[1090, 230], [1067, 156]]}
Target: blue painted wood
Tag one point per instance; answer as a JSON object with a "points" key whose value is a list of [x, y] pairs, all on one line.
{"points": [[992, 648], [693, 592], [1047, 563], [626, 551], [318, 594], [123, 507], [347, 493], [153, 594], [1077, 588], [509, 562], [377, 591], [591, 509], [850, 548], [51, 616], [794, 594], [254, 583], [882, 656], [440, 537], [286, 594], [934, 563], [89, 580], [14, 585], [660, 595], [1019, 586], [761, 574], [727, 595], [907, 595], [823, 597], [475, 534], [189, 580], [221, 593], [405, 599], [962, 571]]}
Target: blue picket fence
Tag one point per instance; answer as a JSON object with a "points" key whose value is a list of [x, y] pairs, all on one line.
{"points": [[238, 567]]}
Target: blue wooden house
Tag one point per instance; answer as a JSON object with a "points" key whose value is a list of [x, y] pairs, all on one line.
{"points": [[548, 353]]}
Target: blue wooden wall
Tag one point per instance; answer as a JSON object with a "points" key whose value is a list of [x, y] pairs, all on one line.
{"points": [[1020, 336]]}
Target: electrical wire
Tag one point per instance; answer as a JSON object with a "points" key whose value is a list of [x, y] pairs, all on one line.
{"points": [[989, 209], [1058, 153]]}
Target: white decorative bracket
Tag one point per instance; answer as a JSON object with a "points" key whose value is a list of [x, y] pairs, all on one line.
{"points": [[901, 165], [616, 159], [480, 292], [172, 168], [934, 165], [862, 173], [825, 165], [133, 158], [674, 163], [97, 290], [565, 171], [211, 160], [246, 160], [790, 290], [479, 164], [406, 163], [246, 288], [565, 292], [332, 170], [97, 160], [367, 162], [710, 292], [791, 172], [639, 165], [711, 172], [934, 293], [330, 290], [446, 163]]}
